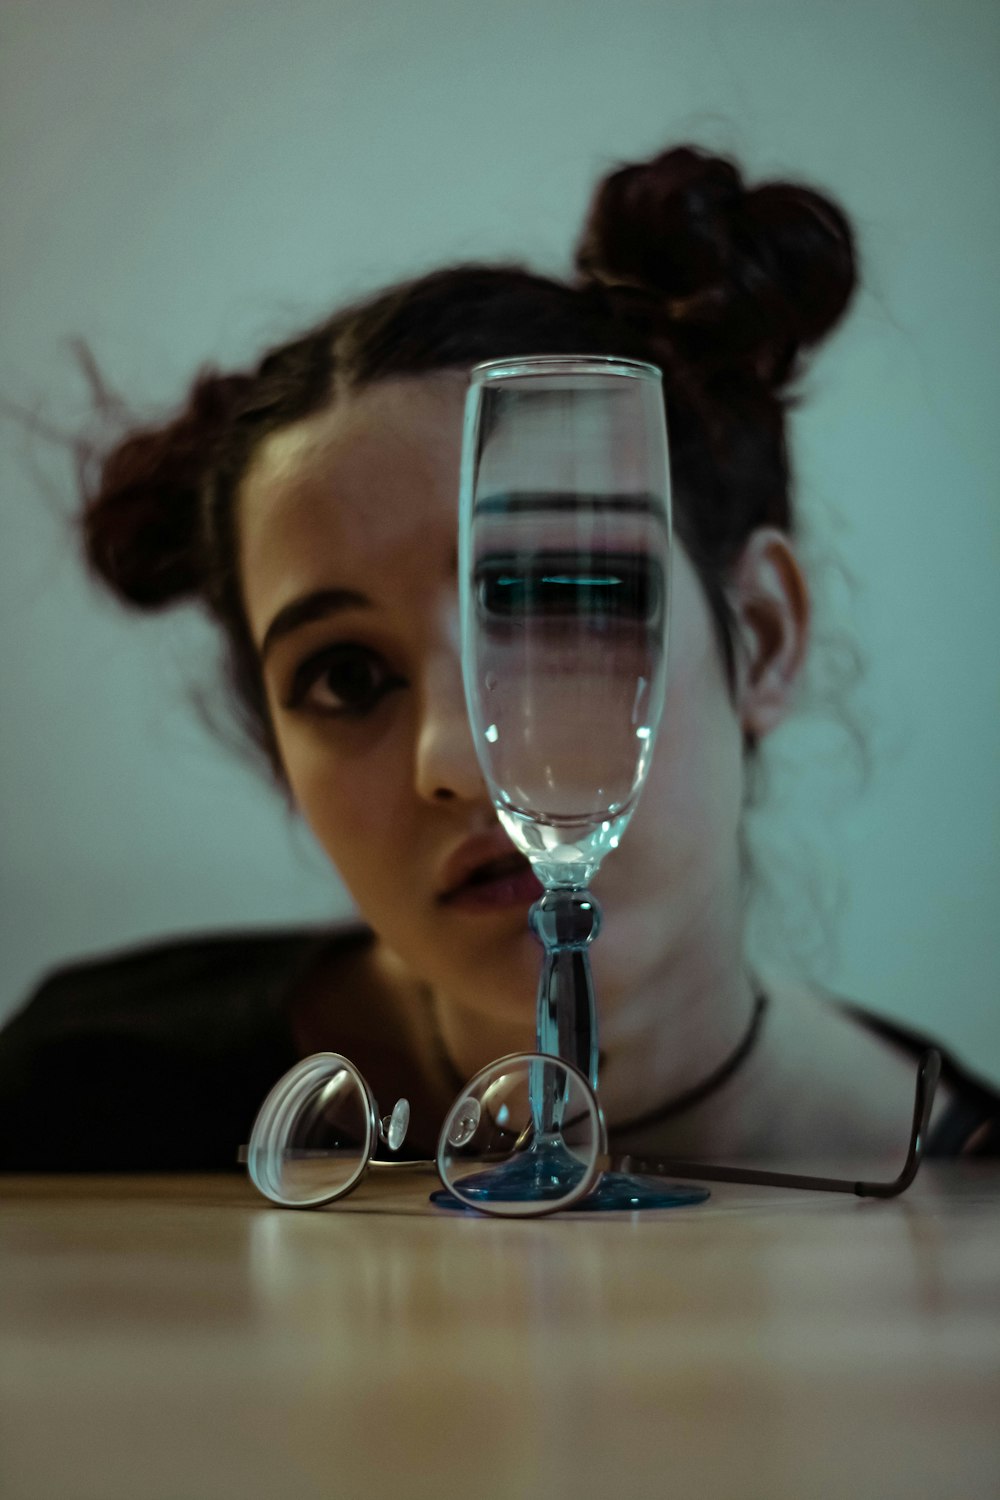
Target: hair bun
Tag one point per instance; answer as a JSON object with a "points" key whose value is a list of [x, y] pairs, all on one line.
{"points": [[141, 519], [744, 277]]}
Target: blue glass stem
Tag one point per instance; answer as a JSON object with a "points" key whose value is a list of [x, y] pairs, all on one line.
{"points": [[566, 920]]}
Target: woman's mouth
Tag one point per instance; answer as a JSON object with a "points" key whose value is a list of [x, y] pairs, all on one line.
{"points": [[496, 885]]}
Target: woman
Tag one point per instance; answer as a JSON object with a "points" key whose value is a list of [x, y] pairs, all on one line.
{"points": [[309, 505]]}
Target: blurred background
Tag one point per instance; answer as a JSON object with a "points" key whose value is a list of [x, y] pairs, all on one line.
{"points": [[189, 181]]}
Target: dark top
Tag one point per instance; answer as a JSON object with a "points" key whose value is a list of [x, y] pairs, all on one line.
{"points": [[159, 1058]]}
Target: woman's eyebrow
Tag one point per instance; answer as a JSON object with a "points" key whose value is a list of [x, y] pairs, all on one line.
{"points": [[316, 606]]}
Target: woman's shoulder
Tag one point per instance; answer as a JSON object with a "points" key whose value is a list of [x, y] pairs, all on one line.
{"points": [[152, 1056], [146, 981], [966, 1117], [968, 1123]]}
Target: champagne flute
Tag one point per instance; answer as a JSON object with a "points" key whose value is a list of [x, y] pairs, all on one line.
{"points": [[564, 574]]}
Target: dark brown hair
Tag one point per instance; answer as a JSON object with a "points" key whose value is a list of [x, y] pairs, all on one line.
{"points": [[679, 263]]}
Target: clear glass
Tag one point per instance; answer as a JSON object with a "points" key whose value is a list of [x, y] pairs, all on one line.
{"points": [[565, 546], [564, 573]]}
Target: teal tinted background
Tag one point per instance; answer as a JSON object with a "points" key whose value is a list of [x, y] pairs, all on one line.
{"points": [[189, 181]]}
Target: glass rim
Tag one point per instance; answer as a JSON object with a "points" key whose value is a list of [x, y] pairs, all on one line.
{"points": [[528, 365]]}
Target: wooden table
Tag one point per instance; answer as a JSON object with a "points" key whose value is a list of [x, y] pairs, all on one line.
{"points": [[177, 1338]]}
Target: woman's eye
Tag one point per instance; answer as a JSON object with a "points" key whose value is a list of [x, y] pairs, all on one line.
{"points": [[345, 679]]}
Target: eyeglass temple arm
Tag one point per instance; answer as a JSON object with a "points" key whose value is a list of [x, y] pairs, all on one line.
{"points": [[242, 1153], [928, 1072]]}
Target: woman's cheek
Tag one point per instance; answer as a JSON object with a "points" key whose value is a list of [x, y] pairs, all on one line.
{"points": [[334, 806], [358, 810], [688, 813], [348, 820]]}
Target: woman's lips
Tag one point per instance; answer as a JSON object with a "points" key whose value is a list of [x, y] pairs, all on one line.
{"points": [[496, 886]]}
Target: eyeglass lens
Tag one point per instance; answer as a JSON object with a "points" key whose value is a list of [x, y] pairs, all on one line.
{"points": [[524, 1132], [313, 1136]]}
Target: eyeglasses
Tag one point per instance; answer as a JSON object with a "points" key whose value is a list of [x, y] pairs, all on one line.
{"points": [[316, 1134]]}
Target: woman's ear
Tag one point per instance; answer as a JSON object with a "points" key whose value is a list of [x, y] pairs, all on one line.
{"points": [[770, 600]]}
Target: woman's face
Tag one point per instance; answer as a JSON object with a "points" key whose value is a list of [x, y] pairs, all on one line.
{"points": [[348, 557]]}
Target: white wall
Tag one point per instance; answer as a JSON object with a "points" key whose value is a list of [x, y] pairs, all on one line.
{"points": [[191, 179]]}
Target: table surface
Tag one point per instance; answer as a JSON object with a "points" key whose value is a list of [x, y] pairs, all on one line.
{"points": [[177, 1338]]}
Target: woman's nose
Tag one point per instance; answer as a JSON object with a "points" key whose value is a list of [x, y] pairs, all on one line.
{"points": [[446, 764]]}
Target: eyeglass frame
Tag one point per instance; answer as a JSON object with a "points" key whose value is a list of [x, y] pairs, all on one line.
{"points": [[379, 1130]]}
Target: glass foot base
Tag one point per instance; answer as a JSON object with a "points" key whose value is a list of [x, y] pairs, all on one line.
{"points": [[622, 1190], [548, 1176]]}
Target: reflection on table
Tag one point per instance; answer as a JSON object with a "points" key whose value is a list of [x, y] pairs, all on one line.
{"points": [[177, 1338]]}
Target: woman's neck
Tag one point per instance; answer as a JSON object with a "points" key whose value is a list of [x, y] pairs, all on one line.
{"points": [[662, 1029], [676, 1027], [814, 1085]]}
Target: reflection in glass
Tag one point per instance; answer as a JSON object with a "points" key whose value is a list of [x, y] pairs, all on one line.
{"points": [[564, 541]]}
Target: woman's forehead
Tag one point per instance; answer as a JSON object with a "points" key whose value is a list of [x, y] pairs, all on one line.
{"points": [[369, 440], [368, 479]]}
